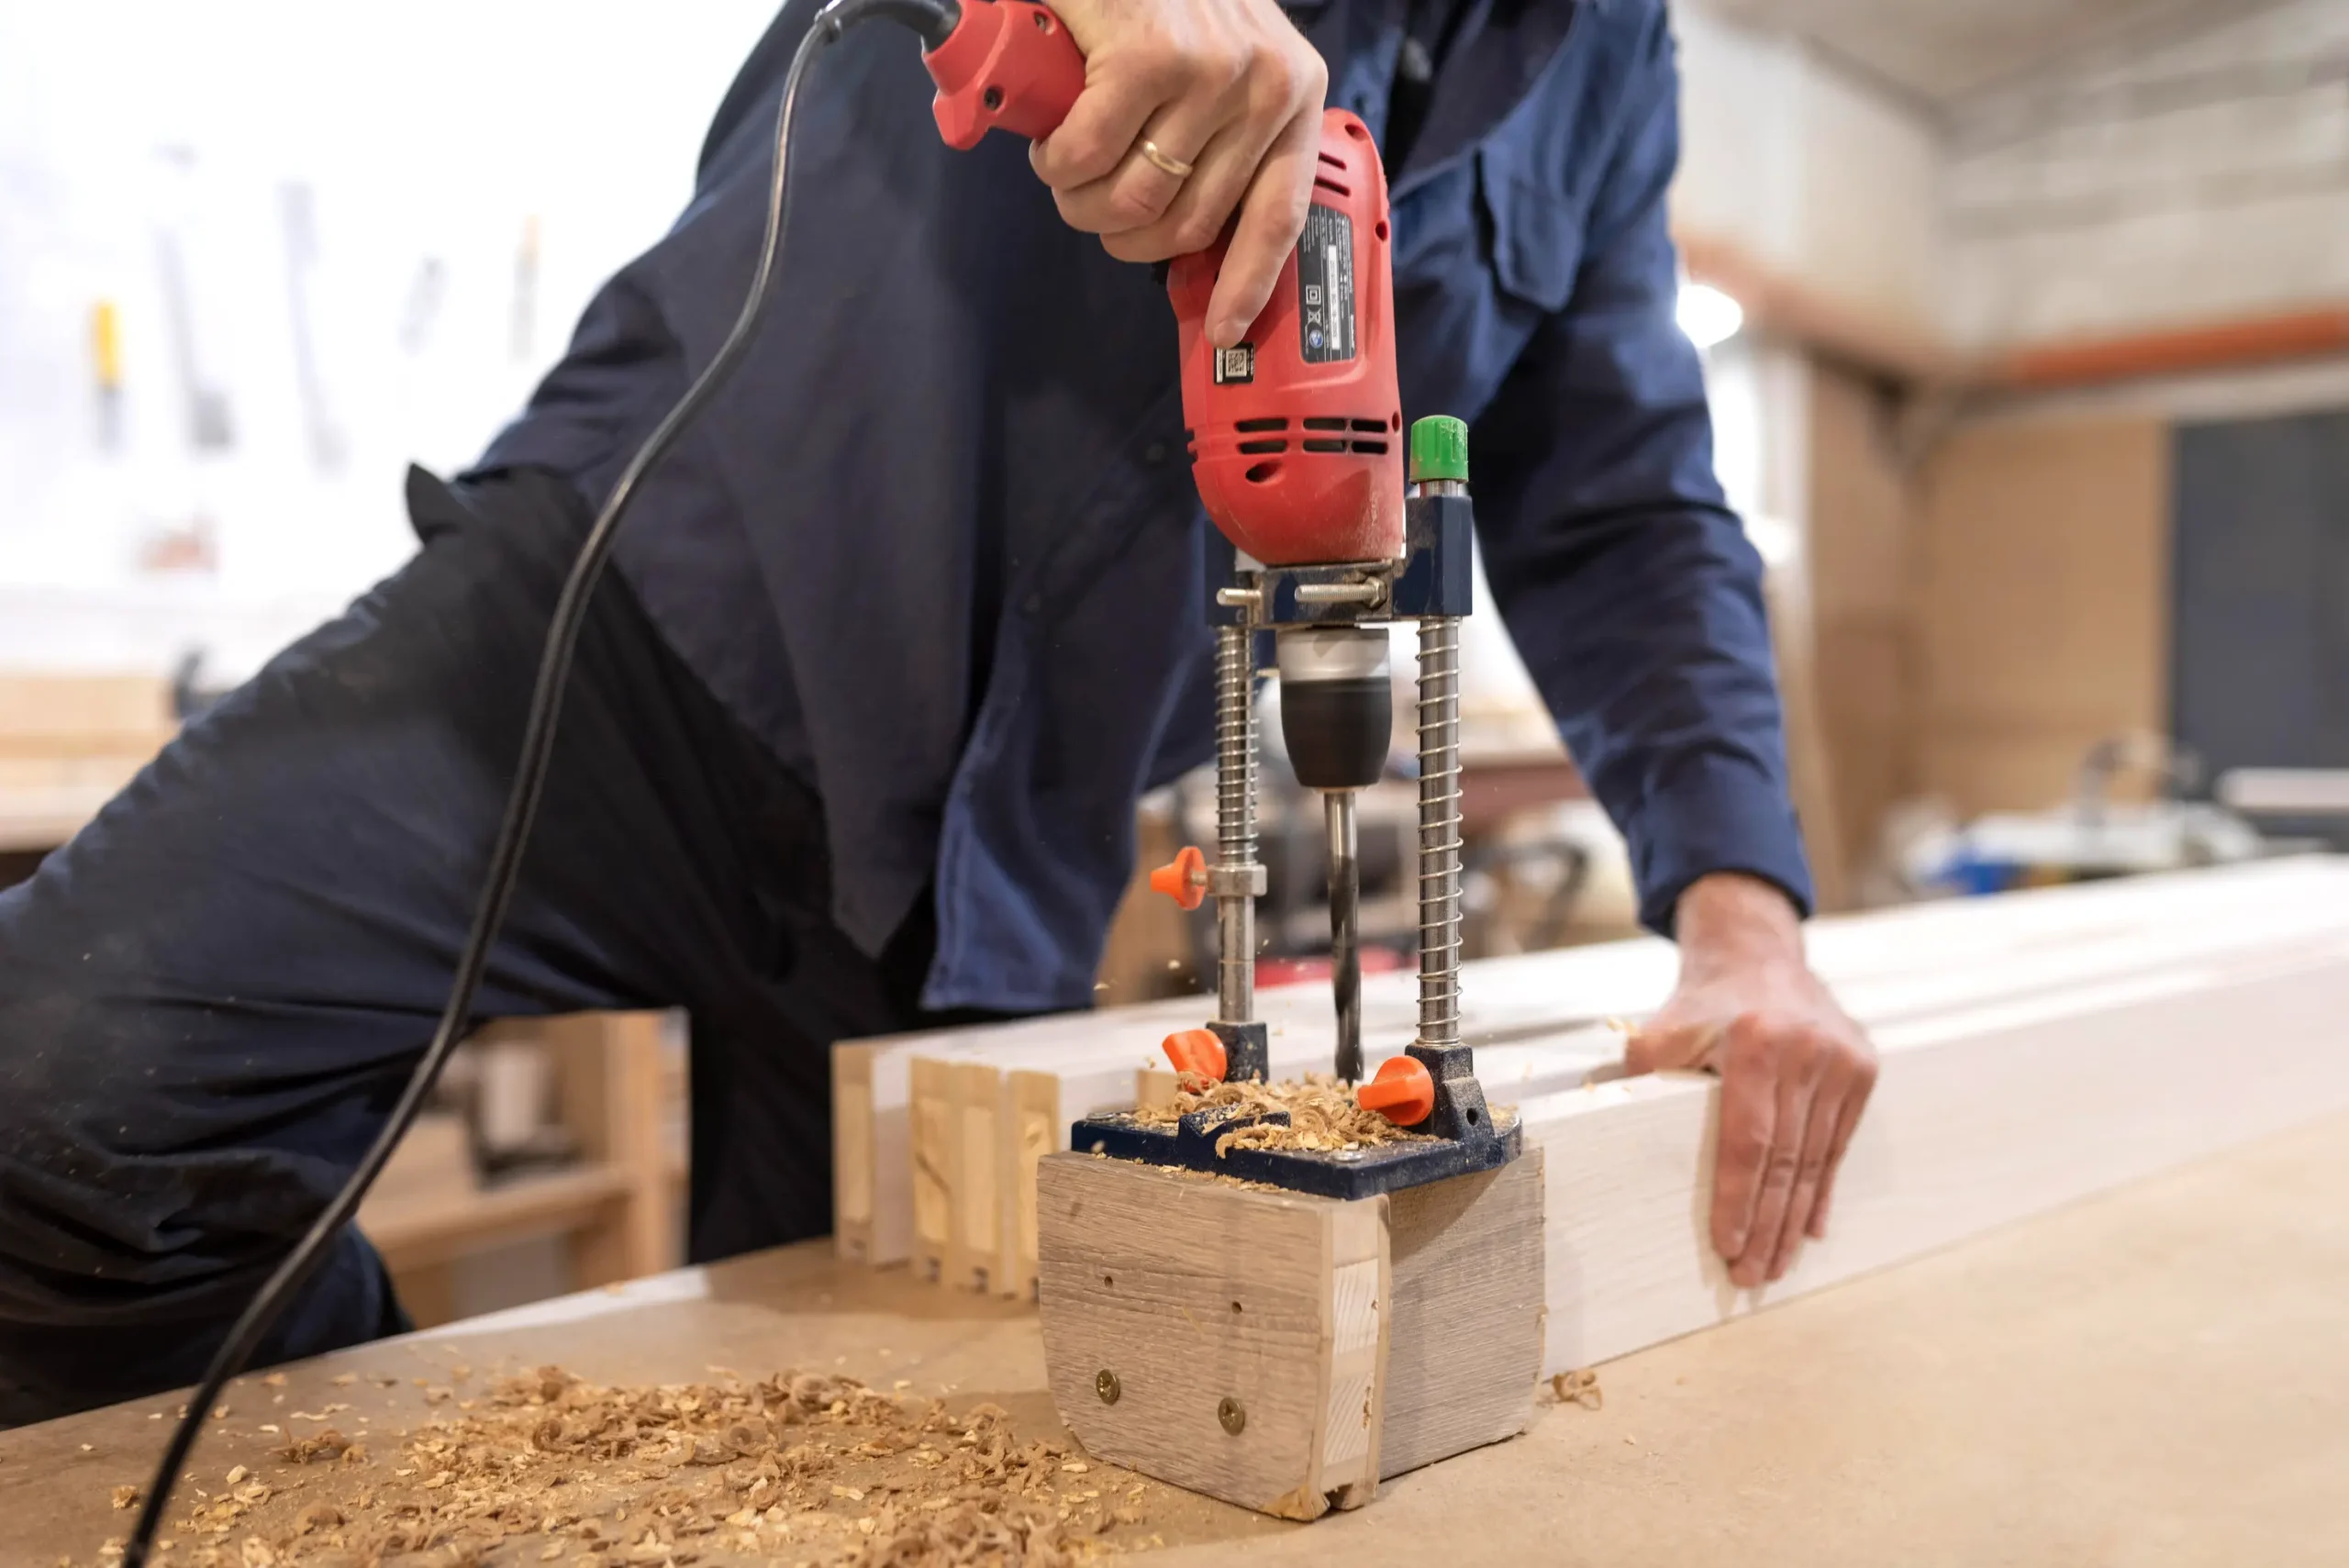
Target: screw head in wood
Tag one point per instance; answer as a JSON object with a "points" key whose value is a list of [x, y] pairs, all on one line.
{"points": [[1231, 1415], [1105, 1383]]}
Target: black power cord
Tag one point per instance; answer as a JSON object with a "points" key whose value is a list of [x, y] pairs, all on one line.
{"points": [[933, 20]]}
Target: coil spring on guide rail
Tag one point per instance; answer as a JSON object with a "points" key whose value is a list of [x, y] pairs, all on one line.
{"points": [[1440, 832], [1235, 815]]}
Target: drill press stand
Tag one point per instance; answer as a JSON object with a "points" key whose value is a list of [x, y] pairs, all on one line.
{"points": [[1428, 583]]}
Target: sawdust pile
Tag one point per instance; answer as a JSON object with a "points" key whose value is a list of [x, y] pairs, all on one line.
{"points": [[798, 1470], [1324, 1117]]}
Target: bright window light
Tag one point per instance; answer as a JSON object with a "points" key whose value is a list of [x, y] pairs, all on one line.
{"points": [[1773, 539], [1708, 316]]}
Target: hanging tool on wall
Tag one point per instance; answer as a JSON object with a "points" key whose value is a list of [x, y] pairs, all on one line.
{"points": [[298, 208], [211, 426], [1296, 438], [106, 361]]}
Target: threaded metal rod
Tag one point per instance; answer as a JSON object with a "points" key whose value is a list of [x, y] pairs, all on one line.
{"points": [[1440, 832], [1235, 819]]}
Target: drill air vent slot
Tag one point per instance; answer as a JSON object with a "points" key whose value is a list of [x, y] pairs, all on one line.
{"points": [[1371, 427], [1250, 427], [1253, 448], [1322, 447], [1333, 160], [1325, 424], [1324, 183], [1375, 448], [1263, 472]]}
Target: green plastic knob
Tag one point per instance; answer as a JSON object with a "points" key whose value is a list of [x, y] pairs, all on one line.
{"points": [[1439, 449]]}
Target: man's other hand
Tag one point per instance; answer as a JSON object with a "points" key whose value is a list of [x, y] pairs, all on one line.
{"points": [[1227, 86], [1796, 1072]]}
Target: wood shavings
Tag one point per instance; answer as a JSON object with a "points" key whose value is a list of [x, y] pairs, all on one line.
{"points": [[809, 1468], [1578, 1388], [328, 1444], [126, 1497], [1324, 1117]]}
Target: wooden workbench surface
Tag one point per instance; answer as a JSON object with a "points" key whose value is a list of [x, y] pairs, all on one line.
{"points": [[2159, 1376]]}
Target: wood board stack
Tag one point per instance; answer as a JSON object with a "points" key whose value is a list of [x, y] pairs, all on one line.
{"points": [[1997, 1018]]}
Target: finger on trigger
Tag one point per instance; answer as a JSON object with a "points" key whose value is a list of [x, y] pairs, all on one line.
{"points": [[1272, 215]]}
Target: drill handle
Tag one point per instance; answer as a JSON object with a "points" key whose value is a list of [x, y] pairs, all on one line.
{"points": [[1007, 65]]}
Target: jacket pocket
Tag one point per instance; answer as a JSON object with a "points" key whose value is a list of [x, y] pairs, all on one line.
{"points": [[1536, 233]]}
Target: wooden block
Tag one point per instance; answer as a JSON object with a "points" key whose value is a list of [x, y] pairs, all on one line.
{"points": [[974, 1229], [1219, 1338], [1983, 1115], [1034, 1128], [934, 1152], [872, 1123], [867, 1199], [1363, 1340], [1465, 1336]]}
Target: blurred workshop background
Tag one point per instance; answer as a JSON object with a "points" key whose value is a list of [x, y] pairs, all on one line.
{"points": [[2028, 326]]}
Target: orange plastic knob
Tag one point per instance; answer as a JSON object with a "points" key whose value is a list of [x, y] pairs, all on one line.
{"points": [[1403, 1092], [1198, 1054], [1183, 879]]}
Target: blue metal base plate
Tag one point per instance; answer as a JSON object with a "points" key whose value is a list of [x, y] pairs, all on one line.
{"points": [[1353, 1174]]}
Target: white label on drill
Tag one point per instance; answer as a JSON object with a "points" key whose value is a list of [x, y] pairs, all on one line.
{"points": [[1236, 364], [1325, 285]]}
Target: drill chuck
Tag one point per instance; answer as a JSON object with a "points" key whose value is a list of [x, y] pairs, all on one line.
{"points": [[1337, 704]]}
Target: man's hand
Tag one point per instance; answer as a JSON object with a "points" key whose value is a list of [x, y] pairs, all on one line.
{"points": [[1227, 86], [1796, 1072]]}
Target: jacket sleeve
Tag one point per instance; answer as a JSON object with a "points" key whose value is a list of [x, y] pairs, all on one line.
{"points": [[1625, 580]]}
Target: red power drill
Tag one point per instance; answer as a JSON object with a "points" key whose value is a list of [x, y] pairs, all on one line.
{"points": [[1297, 432]]}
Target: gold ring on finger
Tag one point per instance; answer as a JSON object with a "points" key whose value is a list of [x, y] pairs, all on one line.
{"points": [[1161, 160]]}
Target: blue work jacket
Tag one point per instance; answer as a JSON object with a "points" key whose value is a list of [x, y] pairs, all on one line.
{"points": [[937, 545]]}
